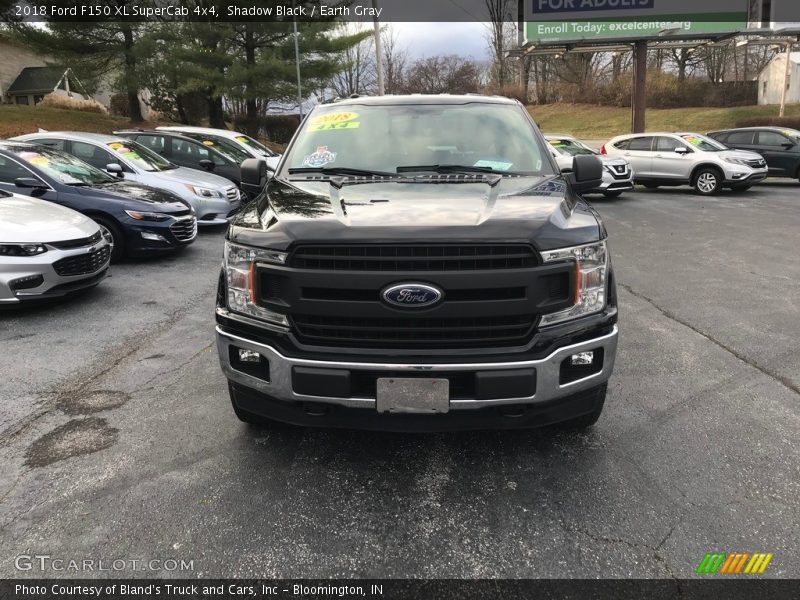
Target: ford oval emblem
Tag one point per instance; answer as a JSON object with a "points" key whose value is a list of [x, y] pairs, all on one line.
{"points": [[412, 295]]}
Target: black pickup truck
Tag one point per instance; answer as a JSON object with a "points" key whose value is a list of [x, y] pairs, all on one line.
{"points": [[418, 263]]}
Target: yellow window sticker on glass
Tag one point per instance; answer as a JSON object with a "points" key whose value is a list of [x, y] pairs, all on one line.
{"points": [[115, 146], [39, 160], [334, 117], [208, 143], [334, 126]]}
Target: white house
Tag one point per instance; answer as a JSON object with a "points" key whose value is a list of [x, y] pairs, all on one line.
{"points": [[771, 80]]}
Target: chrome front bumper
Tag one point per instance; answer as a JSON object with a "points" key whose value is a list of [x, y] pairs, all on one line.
{"points": [[548, 387]]}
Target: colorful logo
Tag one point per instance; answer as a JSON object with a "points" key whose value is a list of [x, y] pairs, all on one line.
{"points": [[320, 158], [734, 563]]}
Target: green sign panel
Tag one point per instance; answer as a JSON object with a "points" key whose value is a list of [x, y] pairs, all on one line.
{"points": [[564, 21]]}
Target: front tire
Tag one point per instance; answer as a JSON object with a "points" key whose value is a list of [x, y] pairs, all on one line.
{"points": [[113, 234], [252, 418], [598, 396], [707, 182]]}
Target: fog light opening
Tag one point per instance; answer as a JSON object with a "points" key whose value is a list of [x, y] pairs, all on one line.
{"points": [[581, 365], [249, 362], [249, 356], [582, 358]]}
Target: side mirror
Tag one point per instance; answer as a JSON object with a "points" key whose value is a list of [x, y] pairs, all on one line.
{"points": [[681, 150], [587, 173], [115, 169], [208, 165], [30, 182], [254, 176]]}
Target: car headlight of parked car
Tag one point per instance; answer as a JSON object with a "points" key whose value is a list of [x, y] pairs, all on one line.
{"points": [[737, 161], [591, 273], [22, 249], [240, 274], [147, 216], [204, 192]]}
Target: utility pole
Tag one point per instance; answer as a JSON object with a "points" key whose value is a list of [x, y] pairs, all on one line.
{"points": [[639, 96], [786, 78], [297, 64], [378, 48]]}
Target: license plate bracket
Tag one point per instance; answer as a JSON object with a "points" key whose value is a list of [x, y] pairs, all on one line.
{"points": [[413, 395]]}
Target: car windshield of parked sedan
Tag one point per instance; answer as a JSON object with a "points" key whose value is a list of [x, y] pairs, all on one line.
{"points": [[570, 147], [228, 149], [138, 155], [476, 136], [64, 167], [257, 146], [706, 144]]}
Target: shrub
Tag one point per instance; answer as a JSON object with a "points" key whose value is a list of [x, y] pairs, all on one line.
{"points": [[788, 122], [277, 128], [510, 90], [54, 100]]}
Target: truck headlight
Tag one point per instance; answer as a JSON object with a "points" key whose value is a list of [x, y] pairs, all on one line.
{"points": [[240, 274], [591, 273]]}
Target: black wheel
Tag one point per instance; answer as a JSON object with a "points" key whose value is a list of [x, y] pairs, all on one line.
{"points": [[113, 234], [598, 395], [707, 182], [252, 418], [615, 194]]}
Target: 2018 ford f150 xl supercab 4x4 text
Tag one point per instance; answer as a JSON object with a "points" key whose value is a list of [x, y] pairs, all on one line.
{"points": [[418, 263]]}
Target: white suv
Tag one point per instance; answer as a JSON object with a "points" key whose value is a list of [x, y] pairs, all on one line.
{"points": [[687, 159]]}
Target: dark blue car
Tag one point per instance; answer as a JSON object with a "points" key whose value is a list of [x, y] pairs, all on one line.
{"points": [[136, 219]]}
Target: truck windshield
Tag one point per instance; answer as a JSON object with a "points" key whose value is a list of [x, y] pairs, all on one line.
{"points": [[478, 136]]}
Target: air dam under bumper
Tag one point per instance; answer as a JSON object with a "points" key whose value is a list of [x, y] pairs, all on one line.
{"points": [[275, 380]]}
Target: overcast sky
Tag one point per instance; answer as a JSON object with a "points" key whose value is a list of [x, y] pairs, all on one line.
{"points": [[429, 39]]}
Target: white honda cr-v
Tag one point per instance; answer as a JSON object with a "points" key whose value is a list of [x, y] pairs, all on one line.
{"points": [[687, 159]]}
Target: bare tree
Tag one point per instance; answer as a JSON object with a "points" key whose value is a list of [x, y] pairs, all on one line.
{"points": [[684, 61], [449, 74], [502, 30], [358, 74], [395, 59]]}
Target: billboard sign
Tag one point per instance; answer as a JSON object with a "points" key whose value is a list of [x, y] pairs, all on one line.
{"points": [[565, 21]]}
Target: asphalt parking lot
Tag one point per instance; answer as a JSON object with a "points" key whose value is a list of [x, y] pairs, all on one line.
{"points": [[117, 440]]}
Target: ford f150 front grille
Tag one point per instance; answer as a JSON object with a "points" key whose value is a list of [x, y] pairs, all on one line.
{"points": [[492, 295], [440, 257], [83, 264], [485, 331]]}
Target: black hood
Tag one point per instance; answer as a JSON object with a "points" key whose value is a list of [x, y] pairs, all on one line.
{"points": [[538, 210], [144, 197]]}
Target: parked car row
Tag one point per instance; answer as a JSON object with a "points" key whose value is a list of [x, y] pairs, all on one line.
{"points": [[735, 159], [72, 202]]}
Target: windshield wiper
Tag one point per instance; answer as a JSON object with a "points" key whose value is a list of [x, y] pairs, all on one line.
{"points": [[79, 184], [340, 171], [453, 169]]}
